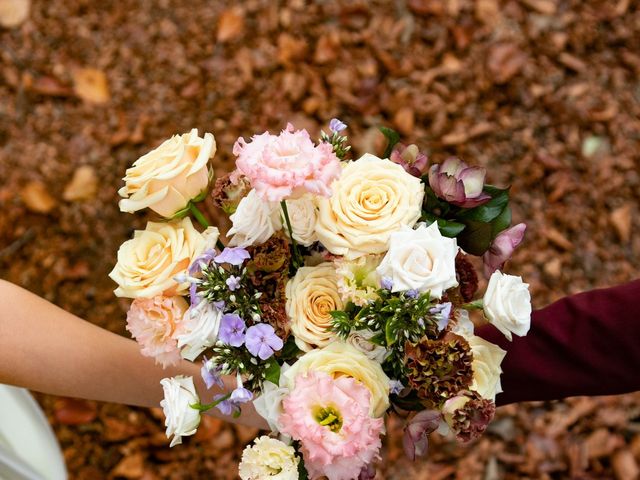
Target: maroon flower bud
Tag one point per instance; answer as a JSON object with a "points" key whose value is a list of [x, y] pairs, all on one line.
{"points": [[502, 248], [409, 158], [457, 183], [415, 440]]}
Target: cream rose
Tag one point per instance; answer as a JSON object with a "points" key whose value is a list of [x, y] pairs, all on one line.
{"points": [[303, 216], [269, 404], [311, 295], [507, 304], [254, 221], [420, 259], [198, 329], [361, 339], [148, 263], [268, 458], [180, 419], [340, 358], [167, 178], [371, 199], [487, 358]]}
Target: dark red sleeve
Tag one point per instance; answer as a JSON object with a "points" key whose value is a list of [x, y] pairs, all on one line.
{"points": [[585, 344]]}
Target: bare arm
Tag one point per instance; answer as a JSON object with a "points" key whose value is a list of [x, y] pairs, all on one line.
{"points": [[47, 349]]}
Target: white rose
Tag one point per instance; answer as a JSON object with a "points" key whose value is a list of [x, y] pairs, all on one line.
{"points": [[339, 358], [371, 199], [180, 419], [148, 263], [361, 339], [420, 259], [211, 236], [269, 404], [487, 358], [311, 295], [303, 216], [198, 329], [167, 178], [268, 458], [254, 221], [507, 304]]}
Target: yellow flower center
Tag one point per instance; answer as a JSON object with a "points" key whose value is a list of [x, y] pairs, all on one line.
{"points": [[328, 417]]}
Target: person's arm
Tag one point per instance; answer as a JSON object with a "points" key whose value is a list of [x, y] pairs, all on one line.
{"points": [[47, 349], [584, 344]]}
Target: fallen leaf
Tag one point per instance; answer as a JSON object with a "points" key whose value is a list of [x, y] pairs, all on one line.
{"points": [[74, 411], [131, 466], [91, 85], [621, 221], [404, 120], [625, 466], [546, 7], [230, 25], [14, 12], [37, 198], [83, 185], [47, 86], [505, 61]]}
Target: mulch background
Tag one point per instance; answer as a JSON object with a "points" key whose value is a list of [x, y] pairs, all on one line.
{"points": [[544, 93]]}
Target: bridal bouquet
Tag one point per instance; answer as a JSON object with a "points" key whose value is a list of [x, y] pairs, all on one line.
{"points": [[341, 294]]}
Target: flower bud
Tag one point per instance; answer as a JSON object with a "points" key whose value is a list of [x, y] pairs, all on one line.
{"points": [[458, 183]]}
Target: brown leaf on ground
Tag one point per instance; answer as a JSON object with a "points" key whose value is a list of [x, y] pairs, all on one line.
{"points": [[82, 186], [230, 25], [73, 411], [91, 85], [14, 12], [505, 61], [37, 198]]}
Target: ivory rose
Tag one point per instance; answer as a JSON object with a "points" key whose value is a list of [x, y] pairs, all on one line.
{"points": [[180, 419], [371, 199], [168, 177], [420, 259], [338, 359], [148, 263], [152, 322], [311, 295], [254, 221], [303, 216], [487, 358], [507, 304]]}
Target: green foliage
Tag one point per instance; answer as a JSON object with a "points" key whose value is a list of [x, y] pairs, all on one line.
{"points": [[338, 142], [392, 137]]}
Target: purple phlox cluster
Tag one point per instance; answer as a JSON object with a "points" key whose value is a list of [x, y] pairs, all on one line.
{"points": [[336, 125], [395, 387], [386, 283], [443, 314], [233, 282], [238, 396], [232, 329], [210, 373], [413, 293], [233, 256], [220, 304], [201, 261], [261, 341]]}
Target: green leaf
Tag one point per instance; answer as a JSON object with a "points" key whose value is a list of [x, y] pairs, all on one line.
{"points": [[272, 372], [490, 210], [302, 471], [389, 333], [392, 137], [339, 316], [290, 349], [476, 237], [501, 222], [447, 228], [180, 213]]}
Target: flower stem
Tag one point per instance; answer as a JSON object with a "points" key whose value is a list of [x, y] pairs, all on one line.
{"points": [[475, 305], [199, 216], [297, 259], [209, 406]]}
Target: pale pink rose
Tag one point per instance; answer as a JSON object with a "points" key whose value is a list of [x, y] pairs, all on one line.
{"points": [[152, 322], [330, 417], [286, 165]]}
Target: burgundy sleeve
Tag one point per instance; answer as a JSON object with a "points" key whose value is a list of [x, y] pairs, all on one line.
{"points": [[584, 344]]}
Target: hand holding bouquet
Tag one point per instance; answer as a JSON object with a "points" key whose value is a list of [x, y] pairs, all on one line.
{"points": [[342, 296]]}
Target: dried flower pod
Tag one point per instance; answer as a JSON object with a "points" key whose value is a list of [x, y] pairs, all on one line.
{"points": [[468, 415], [467, 277], [227, 195]]}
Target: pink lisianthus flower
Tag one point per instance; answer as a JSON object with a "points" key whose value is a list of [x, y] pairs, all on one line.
{"points": [[330, 417], [286, 165], [502, 248], [152, 322]]}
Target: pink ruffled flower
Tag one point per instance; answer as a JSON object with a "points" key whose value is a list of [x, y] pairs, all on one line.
{"points": [[330, 417], [152, 322], [286, 165]]}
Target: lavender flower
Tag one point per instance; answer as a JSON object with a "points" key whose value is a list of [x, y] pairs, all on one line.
{"points": [[231, 330], [201, 261], [226, 407], [220, 304], [443, 313], [233, 283], [458, 183], [395, 387], [336, 125], [261, 341], [386, 283], [413, 293], [240, 395], [233, 256], [209, 373]]}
